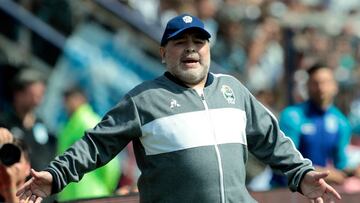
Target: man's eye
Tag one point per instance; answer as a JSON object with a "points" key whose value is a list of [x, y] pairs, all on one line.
{"points": [[199, 41], [179, 42]]}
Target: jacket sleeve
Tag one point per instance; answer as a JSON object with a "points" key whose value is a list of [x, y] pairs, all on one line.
{"points": [[269, 144], [98, 146]]}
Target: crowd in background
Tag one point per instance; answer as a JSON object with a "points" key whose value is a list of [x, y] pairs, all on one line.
{"points": [[267, 44]]}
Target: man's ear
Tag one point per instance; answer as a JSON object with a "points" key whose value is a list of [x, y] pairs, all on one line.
{"points": [[162, 54]]}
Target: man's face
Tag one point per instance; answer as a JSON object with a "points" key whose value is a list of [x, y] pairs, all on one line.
{"points": [[32, 95], [322, 87], [187, 57]]}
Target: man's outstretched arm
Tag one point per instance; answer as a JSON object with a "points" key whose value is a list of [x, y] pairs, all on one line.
{"points": [[314, 187], [37, 188]]}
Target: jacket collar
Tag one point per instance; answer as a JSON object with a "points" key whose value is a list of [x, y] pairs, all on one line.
{"points": [[168, 75], [315, 109]]}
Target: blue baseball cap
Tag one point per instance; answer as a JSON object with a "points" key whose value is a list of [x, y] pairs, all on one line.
{"points": [[181, 23]]}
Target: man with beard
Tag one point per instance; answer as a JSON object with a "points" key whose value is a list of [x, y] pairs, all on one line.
{"points": [[191, 131], [319, 130]]}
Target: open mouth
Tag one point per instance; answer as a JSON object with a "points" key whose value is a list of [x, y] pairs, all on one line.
{"points": [[190, 60]]}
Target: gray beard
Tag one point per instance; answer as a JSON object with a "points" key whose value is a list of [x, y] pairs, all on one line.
{"points": [[191, 79]]}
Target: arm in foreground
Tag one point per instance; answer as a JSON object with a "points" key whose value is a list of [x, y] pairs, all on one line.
{"points": [[316, 189], [37, 188]]}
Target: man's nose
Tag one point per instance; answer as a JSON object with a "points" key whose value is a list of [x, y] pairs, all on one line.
{"points": [[190, 46], [190, 49]]}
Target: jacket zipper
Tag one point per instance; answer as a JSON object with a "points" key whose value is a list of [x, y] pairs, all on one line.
{"points": [[222, 191]]}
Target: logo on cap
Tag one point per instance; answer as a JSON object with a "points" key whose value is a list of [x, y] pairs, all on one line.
{"points": [[187, 19]]}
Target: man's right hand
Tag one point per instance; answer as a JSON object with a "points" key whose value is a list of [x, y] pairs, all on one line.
{"points": [[37, 188]]}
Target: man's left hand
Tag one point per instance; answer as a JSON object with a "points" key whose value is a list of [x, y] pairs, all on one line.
{"points": [[316, 189]]}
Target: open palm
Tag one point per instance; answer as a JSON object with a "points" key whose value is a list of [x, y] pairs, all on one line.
{"points": [[37, 188]]}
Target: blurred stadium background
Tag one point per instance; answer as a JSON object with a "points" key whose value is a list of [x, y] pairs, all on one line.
{"points": [[109, 46]]}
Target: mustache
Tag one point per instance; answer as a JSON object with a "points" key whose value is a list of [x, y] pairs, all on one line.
{"points": [[190, 56]]}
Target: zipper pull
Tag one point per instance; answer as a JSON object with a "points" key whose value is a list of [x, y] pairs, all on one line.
{"points": [[200, 92], [202, 96]]}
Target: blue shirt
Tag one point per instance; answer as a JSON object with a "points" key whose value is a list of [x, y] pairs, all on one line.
{"points": [[320, 135]]}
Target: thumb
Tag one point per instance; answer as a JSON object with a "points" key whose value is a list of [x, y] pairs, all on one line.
{"points": [[34, 173], [24, 187], [318, 175]]}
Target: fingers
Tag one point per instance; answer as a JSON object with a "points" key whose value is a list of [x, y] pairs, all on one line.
{"points": [[25, 193], [29, 198], [331, 201], [319, 175], [24, 198], [25, 187], [331, 191], [34, 173], [319, 200], [32, 199], [35, 199], [39, 199], [328, 198]]}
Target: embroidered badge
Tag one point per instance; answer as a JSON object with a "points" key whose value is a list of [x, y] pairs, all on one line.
{"points": [[228, 94], [308, 129], [187, 19], [173, 104], [331, 124]]}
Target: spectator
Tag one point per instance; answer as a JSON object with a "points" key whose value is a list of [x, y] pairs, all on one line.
{"points": [[171, 8], [100, 182], [318, 129], [229, 49], [13, 175], [265, 64], [22, 121], [206, 10]]}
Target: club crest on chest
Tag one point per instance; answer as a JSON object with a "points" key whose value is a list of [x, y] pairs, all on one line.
{"points": [[228, 94]]}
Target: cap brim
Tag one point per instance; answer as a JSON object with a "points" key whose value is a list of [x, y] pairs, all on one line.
{"points": [[181, 31]]}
